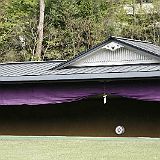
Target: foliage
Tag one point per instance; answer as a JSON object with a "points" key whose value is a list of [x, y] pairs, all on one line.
{"points": [[18, 30], [71, 26]]}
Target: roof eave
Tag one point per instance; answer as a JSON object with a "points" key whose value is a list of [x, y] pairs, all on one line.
{"points": [[85, 77]]}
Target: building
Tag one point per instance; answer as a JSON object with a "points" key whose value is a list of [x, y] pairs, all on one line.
{"points": [[116, 83], [140, 7]]}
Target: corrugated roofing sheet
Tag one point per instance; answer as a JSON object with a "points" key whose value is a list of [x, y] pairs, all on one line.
{"points": [[29, 68], [104, 70], [44, 72], [39, 69], [147, 46]]}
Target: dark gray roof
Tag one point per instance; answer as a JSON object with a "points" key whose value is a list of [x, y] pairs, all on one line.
{"points": [[43, 72], [142, 45], [103, 70], [137, 44], [48, 71], [26, 68]]}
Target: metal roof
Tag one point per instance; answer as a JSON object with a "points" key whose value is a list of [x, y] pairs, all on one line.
{"points": [[105, 69], [143, 46], [26, 68], [43, 72], [49, 70]]}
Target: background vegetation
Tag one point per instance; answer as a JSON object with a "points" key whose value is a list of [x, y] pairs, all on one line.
{"points": [[71, 26]]}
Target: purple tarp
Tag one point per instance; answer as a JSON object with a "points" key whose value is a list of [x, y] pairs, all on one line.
{"points": [[45, 94], [146, 91], [56, 93]]}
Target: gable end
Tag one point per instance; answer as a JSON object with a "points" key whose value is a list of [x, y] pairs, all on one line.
{"points": [[118, 56], [116, 51]]}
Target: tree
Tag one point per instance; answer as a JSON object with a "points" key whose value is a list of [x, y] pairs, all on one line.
{"points": [[40, 30], [67, 27], [18, 34]]}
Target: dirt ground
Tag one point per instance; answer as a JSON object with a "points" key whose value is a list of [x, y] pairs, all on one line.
{"points": [[88, 117], [52, 148]]}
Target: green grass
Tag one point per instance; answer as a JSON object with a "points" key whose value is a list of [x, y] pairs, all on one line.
{"points": [[74, 148]]}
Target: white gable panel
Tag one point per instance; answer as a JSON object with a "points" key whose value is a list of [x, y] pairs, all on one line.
{"points": [[112, 46], [112, 56]]}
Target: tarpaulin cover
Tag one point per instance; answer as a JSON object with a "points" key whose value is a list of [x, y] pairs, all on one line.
{"points": [[46, 94], [147, 91], [59, 93]]}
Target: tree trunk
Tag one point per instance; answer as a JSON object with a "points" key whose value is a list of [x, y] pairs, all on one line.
{"points": [[40, 30]]}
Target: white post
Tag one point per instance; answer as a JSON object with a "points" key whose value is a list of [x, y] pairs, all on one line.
{"points": [[105, 99]]}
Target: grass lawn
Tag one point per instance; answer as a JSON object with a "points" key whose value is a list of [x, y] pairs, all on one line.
{"points": [[78, 148]]}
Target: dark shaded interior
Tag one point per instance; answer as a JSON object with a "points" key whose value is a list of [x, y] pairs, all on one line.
{"points": [[89, 117]]}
